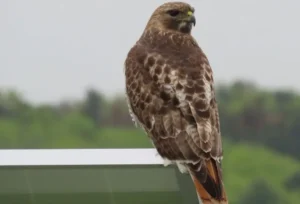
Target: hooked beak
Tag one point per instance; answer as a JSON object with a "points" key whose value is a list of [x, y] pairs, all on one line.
{"points": [[192, 20]]}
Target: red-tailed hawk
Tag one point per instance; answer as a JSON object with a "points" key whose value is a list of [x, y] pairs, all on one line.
{"points": [[169, 86]]}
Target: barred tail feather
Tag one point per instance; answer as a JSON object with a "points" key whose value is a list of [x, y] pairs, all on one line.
{"points": [[208, 184]]}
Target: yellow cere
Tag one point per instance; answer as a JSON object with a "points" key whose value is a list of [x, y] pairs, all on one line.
{"points": [[190, 13]]}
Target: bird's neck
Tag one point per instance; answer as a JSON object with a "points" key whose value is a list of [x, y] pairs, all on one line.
{"points": [[163, 37]]}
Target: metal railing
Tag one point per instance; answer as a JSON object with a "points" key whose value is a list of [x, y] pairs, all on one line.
{"points": [[54, 157], [54, 165]]}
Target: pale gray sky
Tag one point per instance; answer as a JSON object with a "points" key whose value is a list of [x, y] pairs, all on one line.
{"points": [[55, 49]]}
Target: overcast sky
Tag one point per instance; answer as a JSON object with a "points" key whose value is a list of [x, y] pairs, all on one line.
{"points": [[56, 49]]}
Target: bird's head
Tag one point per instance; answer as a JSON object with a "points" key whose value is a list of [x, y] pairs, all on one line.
{"points": [[176, 16]]}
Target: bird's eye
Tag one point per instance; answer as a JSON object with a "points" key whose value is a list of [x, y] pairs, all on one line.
{"points": [[173, 12]]}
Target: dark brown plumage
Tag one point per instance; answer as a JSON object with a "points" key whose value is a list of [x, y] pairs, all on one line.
{"points": [[169, 86]]}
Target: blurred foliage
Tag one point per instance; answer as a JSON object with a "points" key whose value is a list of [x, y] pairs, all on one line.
{"points": [[261, 130], [260, 192], [271, 118], [247, 166]]}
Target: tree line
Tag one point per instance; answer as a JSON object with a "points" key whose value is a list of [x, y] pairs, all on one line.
{"points": [[247, 113]]}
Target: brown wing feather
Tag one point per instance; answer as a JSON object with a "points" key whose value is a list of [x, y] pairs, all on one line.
{"points": [[169, 85], [172, 94]]}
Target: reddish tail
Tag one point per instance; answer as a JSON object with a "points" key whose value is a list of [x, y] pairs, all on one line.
{"points": [[208, 183]]}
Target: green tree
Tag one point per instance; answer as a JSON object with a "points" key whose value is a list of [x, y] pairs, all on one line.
{"points": [[260, 193], [93, 106]]}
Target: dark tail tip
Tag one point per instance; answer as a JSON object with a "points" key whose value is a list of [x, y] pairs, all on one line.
{"points": [[209, 176]]}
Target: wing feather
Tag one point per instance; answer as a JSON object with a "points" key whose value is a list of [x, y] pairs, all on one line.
{"points": [[173, 98]]}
